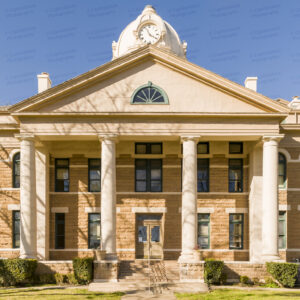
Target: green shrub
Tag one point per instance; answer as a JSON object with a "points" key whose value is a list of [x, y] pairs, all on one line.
{"points": [[269, 282], [17, 271], [47, 278], [213, 271], [284, 273], [71, 279], [60, 278], [244, 279], [255, 281], [83, 269], [223, 279]]}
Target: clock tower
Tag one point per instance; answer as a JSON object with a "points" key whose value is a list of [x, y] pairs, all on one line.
{"points": [[148, 28]]}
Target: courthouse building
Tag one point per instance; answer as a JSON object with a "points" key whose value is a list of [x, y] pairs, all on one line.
{"points": [[150, 155]]}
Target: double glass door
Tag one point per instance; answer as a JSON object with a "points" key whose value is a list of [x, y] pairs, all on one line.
{"points": [[149, 243]]}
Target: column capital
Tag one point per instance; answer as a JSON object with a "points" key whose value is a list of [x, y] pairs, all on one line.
{"points": [[185, 138], [25, 137], [275, 138], [108, 137]]}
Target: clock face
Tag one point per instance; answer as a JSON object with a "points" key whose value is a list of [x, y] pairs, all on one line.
{"points": [[149, 34]]}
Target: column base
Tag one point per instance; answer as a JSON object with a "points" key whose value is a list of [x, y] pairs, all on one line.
{"points": [[111, 256], [188, 256], [270, 257]]}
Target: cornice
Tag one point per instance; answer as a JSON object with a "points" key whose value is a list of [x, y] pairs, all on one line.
{"points": [[163, 57]]}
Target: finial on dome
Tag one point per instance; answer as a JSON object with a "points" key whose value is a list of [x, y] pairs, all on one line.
{"points": [[149, 9]]}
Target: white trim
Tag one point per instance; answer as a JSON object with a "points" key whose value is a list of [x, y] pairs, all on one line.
{"points": [[236, 210], [225, 250], [74, 193], [125, 166], [298, 207], [10, 189], [118, 210], [11, 154], [284, 207], [293, 189], [125, 250], [9, 249], [92, 210], [172, 250], [292, 249], [13, 207], [205, 210], [288, 156], [60, 210], [140, 209], [71, 249]]}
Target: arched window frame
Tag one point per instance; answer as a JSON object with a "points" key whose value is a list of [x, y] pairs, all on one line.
{"points": [[15, 161], [282, 160], [150, 84]]}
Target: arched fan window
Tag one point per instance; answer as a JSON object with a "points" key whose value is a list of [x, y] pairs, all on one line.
{"points": [[149, 94]]}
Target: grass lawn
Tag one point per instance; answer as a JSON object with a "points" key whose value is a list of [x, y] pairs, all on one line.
{"points": [[55, 293], [227, 294]]}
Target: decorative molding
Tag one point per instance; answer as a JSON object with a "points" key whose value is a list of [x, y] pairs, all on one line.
{"points": [[60, 210], [284, 207], [236, 210], [12, 153], [13, 207], [9, 249], [92, 210], [205, 210], [149, 209], [9, 189]]}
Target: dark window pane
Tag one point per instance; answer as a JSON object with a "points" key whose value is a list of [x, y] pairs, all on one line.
{"points": [[62, 163], [95, 186], [16, 170], [94, 162], [155, 186], [235, 174], [140, 174], [235, 148], [95, 174], [59, 230], [203, 148], [141, 186], [94, 230], [156, 148], [16, 229], [236, 231], [203, 175], [155, 234], [203, 231], [141, 148], [142, 234], [61, 175]]}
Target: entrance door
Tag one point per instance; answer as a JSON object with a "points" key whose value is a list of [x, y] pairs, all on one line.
{"points": [[149, 242]]}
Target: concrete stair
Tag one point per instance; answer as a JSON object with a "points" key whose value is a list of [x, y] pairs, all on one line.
{"points": [[138, 271]]}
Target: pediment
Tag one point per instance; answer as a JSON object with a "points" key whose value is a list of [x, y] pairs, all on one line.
{"points": [[109, 88]]}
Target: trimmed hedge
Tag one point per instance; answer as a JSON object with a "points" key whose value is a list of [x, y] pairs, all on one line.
{"points": [[285, 273], [17, 271], [83, 269], [213, 271]]}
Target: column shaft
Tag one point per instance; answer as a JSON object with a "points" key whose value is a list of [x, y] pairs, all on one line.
{"points": [[189, 198], [270, 199], [28, 199], [108, 196]]}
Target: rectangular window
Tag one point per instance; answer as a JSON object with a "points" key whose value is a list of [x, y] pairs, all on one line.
{"points": [[94, 231], [16, 229], [236, 230], [148, 148], [235, 175], [59, 231], [61, 175], [203, 148], [235, 148], [204, 231], [148, 175], [282, 230], [202, 175], [94, 175]]}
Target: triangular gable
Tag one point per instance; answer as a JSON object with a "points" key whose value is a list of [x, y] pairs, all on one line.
{"points": [[144, 56]]}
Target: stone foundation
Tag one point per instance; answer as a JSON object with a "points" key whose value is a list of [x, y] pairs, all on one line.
{"points": [[194, 271], [51, 267], [105, 270]]}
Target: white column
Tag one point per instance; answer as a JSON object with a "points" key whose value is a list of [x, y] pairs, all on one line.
{"points": [[28, 198], [108, 195], [270, 199], [189, 198], [42, 203]]}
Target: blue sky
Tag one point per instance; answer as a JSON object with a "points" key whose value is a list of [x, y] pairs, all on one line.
{"points": [[65, 38]]}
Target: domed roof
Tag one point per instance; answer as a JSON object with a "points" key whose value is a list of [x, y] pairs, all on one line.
{"points": [[148, 28]]}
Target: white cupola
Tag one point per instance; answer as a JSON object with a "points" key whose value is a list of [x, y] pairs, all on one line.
{"points": [[148, 28]]}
